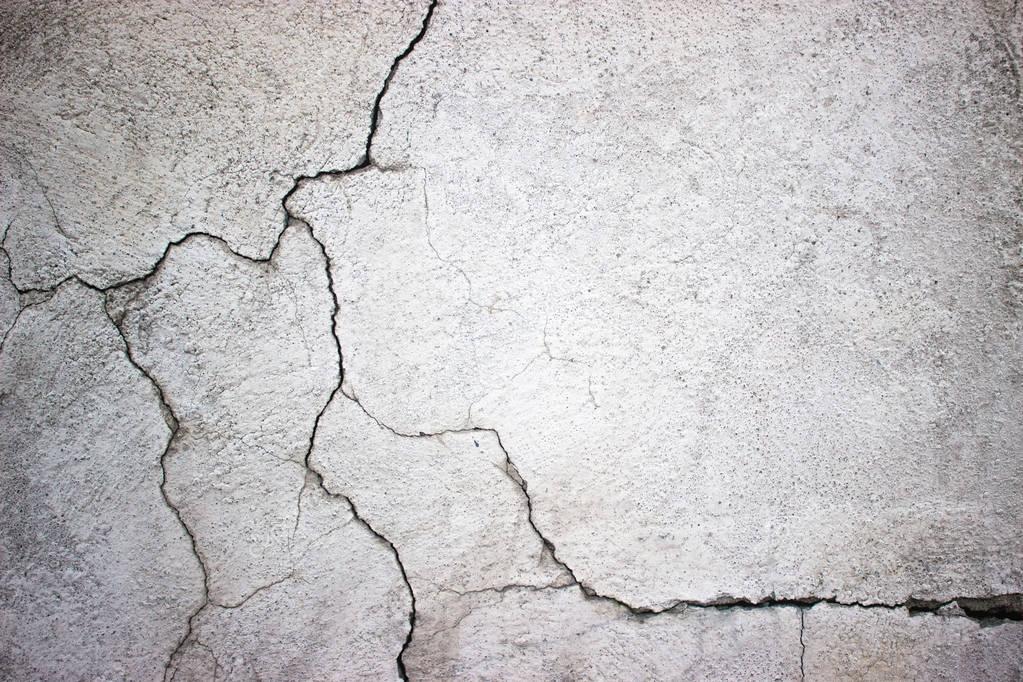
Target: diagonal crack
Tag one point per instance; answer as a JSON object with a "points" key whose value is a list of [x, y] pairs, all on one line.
{"points": [[172, 421], [1001, 607], [174, 425], [367, 160]]}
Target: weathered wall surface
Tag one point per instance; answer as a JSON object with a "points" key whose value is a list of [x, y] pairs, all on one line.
{"points": [[589, 340]]}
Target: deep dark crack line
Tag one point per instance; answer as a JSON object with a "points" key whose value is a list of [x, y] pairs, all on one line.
{"points": [[722, 271]]}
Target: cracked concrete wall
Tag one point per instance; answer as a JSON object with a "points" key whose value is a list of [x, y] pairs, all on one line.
{"points": [[443, 340]]}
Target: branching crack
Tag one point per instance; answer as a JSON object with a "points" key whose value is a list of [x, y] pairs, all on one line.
{"points": [[318, 477], [365, 162], [1001, 607]]}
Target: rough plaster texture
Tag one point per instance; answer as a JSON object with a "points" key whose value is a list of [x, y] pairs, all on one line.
{"points": [[128, 125], [376, 340], [780, 308], [245, 402], [98, 575], [880, 644]]}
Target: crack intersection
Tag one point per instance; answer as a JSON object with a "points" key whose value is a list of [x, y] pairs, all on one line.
{"points": [[171, 419], [998, 608]]}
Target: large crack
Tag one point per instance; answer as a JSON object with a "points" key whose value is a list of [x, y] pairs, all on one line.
{"points": [[994, 608], [1000, 607], [365, 162], [174, 425], [172, 421]]}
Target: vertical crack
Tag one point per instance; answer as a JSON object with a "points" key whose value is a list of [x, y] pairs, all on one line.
{"points": [[400, 662], [365, 162], [174, 425], [402, 670], [802, 643]]}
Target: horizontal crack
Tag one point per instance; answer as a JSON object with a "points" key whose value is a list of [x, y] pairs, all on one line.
{"points": [[999, 607], [726, 603]]}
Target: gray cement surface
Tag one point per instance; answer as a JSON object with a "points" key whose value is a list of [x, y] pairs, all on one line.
{"points": [[523, 341]]}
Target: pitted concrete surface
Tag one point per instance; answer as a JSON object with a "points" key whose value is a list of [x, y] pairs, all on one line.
{"points": [[129, 125], [479, 340]]}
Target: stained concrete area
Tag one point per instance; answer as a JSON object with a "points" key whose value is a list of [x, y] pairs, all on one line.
{"points": [[481, 340]]}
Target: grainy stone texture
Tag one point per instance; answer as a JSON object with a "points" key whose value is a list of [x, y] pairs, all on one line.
{"points": [[739, 288], [479, 340], [883, 644], [98, 575], [456, 516], [128, 125]]}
